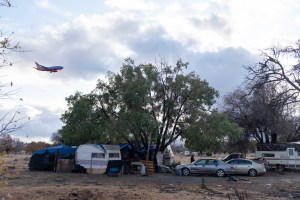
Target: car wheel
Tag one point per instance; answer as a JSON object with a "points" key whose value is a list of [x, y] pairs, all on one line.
{"points": [[185, 171], [252, 172], [220, 172]]}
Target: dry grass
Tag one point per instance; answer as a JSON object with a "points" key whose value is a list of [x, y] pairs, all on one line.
{"points": [[23, 184]]}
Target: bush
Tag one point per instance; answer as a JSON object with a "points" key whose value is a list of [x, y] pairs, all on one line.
{"points": [[3, 174]]}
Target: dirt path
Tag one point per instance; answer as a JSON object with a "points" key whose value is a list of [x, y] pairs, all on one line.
{"points": [[24, 184]]}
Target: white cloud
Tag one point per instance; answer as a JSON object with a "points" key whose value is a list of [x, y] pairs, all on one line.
{"points": [[217, 37], [44, 4], [261, 24], [128, 5], [173, 7]]}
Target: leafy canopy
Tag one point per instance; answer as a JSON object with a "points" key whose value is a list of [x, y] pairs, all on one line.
{"points": [[140, 104]]}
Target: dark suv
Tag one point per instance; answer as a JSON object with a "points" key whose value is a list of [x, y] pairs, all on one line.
{"points": [[232, 156]]}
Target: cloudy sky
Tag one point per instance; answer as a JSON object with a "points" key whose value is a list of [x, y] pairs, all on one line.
{"points": [[90, 38]]}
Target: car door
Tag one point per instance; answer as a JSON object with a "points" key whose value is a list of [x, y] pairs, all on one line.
{"points": [[198, 166], [235, 164], [243, 166], [211, 166]]}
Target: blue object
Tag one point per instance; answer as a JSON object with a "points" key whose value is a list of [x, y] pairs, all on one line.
{"points": [[64, 151]]}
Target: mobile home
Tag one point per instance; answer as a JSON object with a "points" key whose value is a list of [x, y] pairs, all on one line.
{"points": [[95, 157], [279, 156]]}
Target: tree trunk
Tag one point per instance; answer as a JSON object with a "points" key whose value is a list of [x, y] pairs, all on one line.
{"points": [[273, 137]]}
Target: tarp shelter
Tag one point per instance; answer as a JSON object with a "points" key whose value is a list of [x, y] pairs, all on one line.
{"points": [[45, 159], [143, 152], [127, 156]]}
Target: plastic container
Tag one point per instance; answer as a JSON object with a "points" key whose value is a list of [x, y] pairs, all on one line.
{"points": [[142, 169]]}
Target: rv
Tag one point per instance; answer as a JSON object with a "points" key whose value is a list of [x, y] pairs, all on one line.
{"points": [[94, 157], [279, 156]]}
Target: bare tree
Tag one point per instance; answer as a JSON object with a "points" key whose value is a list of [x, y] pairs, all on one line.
{"points": [[5, 3], [280, 66], [11, 121], [35, 146], [56, 138], [262, 113], [5, 142], [17, 145]]}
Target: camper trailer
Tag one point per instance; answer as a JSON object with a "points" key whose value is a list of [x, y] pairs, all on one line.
{"points": [[279, 156], [94, 158]]}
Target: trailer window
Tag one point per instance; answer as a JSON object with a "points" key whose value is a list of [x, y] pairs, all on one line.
{"points": [[268, 155], [114, 155], [291, 152], [98, 155]]}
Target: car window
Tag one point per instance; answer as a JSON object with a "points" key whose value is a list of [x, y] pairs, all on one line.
{"points": [[245, 162], [200, 162], [233, 162], [212, 162]]}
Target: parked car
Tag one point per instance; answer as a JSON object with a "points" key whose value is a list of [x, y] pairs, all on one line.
{"points": [[232, 156], [205, 166], [246, 166]]}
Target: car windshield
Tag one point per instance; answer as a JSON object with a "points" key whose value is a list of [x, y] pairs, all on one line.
{"points": [[225, 158], [231, 156]]}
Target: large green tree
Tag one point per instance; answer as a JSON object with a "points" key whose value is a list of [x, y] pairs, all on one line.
{"points": [[143, 104], [212, 132]]}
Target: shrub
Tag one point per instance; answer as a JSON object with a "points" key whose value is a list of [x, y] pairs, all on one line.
{"points": [[3, 174]]}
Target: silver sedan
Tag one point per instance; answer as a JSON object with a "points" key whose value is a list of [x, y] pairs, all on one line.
{"points": [[205, 166], [246, 166]]}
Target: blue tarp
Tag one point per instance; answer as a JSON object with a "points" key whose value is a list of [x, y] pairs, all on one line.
{"points": [[44, 160], [125, 145], [64, 151]]}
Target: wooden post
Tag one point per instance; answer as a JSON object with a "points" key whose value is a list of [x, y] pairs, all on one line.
{"points": [[148, 153], [203, 186], [55, 160]]}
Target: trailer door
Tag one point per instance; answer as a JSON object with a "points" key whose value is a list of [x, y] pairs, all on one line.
{"points": [[291, 156]]}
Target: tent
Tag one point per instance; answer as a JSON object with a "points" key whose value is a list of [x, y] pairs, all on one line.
{"points": [[46, 159]]}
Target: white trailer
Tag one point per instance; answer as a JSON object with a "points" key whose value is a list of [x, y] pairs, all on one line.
{"points": [[280, 155], [95, 157]]}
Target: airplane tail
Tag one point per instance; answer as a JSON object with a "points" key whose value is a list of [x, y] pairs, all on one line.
{"points": [[38, 66]]}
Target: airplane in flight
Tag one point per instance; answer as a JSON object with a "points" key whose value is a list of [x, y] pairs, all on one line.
{"points": [[48, 69]]}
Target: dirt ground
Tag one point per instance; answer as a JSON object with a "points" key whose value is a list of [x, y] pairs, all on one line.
{"points": [[24, 184]]}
